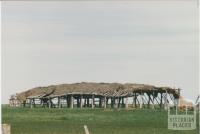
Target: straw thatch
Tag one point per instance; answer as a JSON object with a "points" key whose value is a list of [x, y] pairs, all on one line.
{"points": [[100, 89]]}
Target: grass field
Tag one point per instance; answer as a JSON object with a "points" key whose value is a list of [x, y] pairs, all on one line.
{"points": [[99, 121]]}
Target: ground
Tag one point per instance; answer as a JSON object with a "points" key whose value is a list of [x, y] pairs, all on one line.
{"points": [[99, 121]]}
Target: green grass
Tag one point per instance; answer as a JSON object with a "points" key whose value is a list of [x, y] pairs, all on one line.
{"points": [[99, 121]]}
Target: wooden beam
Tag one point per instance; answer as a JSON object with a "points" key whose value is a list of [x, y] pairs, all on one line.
{"points": [[157, 101], [152, 101]]}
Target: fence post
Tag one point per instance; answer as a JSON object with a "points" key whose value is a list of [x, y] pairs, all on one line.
{"points": [[6, 129]]}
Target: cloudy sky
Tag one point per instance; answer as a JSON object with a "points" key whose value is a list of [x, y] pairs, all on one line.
{"points": [[46, 43]]}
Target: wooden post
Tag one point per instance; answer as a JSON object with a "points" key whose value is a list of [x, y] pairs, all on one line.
{"points": [[24, 103], [166, 103], [105, 102], [161, 97], [6, 129], [126, 102], [93, 101], [78, 101], [149, 99], [85, 101], [119, 101], [135, 100], [141, 99], [68, 101], [111, 102], [59, 102], [33, 102], [153, 103], [49, 102], [72, 101], [86, 129], [186, 109], [123, 105], [100, 102], [81, 103], [115, 103], [179, 93], [153, 100], [41, 102], [31, 105], [107, 99], [88, 102]]}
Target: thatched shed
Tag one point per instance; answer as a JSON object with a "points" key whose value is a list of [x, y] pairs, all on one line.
{"points": [[91, 94]]}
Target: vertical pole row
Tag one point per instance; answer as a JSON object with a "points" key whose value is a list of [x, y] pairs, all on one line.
{"points": [[88, 100]]}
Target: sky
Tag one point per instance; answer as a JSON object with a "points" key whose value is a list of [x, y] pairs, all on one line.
{"points": [[148, 42]]}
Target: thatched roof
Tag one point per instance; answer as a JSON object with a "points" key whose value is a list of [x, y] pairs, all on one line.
{"points": [[101, 89]]}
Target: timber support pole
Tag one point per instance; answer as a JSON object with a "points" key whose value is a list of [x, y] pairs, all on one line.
{"points": [[105, 102], [93, 99], [81, 101], [72, 102], [135, 100], [126, 101], [161, 100], [49, 102], [31, 103]]}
